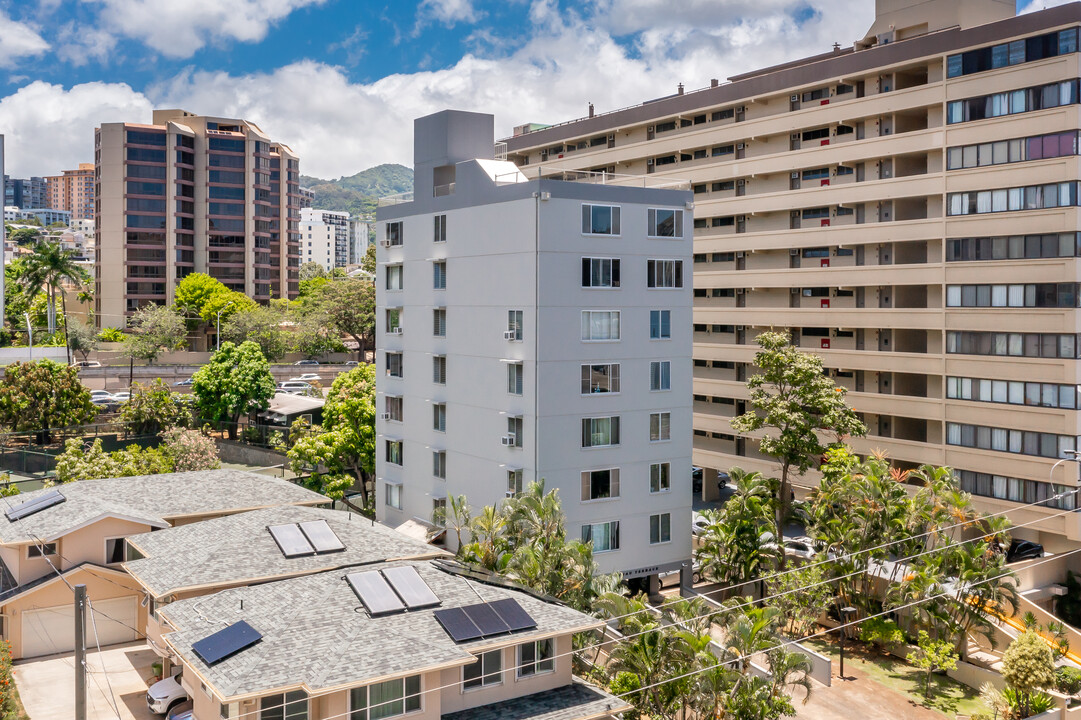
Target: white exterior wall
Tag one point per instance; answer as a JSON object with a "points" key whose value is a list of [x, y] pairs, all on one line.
{"points": [[492, 267], [317, 244]]}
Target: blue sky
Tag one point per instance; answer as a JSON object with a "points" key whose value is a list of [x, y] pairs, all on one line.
{"points": [[341, 80]]}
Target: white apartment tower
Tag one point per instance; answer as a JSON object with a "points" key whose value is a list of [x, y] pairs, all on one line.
{"points": [[339, 225], [536, 329]]}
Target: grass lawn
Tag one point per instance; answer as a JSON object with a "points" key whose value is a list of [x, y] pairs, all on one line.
{"points": [[947, 695]]}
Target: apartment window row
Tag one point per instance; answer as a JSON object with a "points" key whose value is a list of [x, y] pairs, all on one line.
{"points": [[1012, 392], [1012, 102], [604, 431], [714, 292], [1031, 197], [1032, 295], [714, 257], [534, 658], [383, 700], [604, 325], [605, 220], [1021, 442], [605, 536], [1015, 52], [1016, 489], [1014, 247], [1040, 147], [1035, 345]]}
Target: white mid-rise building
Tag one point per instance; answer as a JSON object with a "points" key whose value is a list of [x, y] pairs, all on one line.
{"points": [[317, 243], [536, 330], [339, 225]]}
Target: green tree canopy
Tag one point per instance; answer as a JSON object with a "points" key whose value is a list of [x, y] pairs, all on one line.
{"points": [[24, 236], [154, 408], [1028, 667], [311, 270], [40, 396], [349, 308], [261, 325], [340, 453], [154, 329], [793, 401], [367, 264], [195, 291], [82, 338], [235, 382]]}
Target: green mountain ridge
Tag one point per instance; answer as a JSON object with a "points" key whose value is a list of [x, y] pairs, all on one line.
{"points": [[357, 194]]}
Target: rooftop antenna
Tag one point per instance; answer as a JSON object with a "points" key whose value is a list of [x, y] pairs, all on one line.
{"points": [[836, 47]]}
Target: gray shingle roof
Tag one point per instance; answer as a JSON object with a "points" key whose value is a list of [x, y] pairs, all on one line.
{"points": [[576, 701], [153, 499], [238, 549], [317, 635]]}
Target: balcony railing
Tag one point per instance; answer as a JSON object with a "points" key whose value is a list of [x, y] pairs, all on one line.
{"points": [[399, 199]]}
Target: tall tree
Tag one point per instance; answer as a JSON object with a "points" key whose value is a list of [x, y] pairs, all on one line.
{"points": [[82, 338], [340, 453], [739, 539], [236, 381], [793, 401], [195, 291], [41, 396], [48, 268], [154, 329], [261, 325], [349, 307]]}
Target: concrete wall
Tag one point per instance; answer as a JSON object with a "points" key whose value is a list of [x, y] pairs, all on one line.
{"points": [[9, 355], [242, 453]]}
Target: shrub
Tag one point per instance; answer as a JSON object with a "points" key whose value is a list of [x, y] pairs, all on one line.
{"points": [[882, 633], [1027, 667], [154, 408], [111, 334], [627, 682], [930, 656], [191, 450], [1068, 680]]}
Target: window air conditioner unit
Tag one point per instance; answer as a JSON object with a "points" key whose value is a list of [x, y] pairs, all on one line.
{"points": [[508, 440], [793, 251], [740, 253], [741, 182], [649, 128], [794, 176], [741, 291], [510, 335], [396, 331], [649, 161], [386, 416], [386, 243], [794, 98], [740, 328], [794, 291], [740, 146], [741, 218], [741, 108], [509, 494]]}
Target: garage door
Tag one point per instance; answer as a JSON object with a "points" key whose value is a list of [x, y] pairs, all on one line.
{"points": [[52, 630]]}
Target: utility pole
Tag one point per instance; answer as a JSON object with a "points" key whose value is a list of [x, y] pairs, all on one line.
{"points": [[80, 652]]}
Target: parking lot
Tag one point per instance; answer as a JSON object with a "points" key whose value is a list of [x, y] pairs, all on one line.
{"points": [[47, 685]]}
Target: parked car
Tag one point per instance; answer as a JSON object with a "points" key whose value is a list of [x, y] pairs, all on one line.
{"points": [[183, 711], [306, 362], [1023, 550], [182, 383], [166, 694], [85, 363], [306, 377], [672, 576], [100, 395], [699, 524], [800, 547], [122, 396], [295, 387], [351, 363]]}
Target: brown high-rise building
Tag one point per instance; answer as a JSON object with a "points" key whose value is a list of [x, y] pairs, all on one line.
{"points": [[190, 193], [909, 208], [73, 191]]}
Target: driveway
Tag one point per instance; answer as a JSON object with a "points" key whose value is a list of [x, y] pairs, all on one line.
{"points": [[47, 685]]}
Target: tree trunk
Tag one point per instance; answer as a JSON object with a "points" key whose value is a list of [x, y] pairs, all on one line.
{"points": [[64, 314], [51, 313], [781, 513]]}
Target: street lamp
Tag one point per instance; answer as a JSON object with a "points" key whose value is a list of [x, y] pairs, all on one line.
{"points": [[218, 334], [845, 613]]}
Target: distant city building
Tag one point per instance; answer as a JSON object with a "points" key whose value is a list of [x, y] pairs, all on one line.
{"points": [[25, 192], [46, 216], [307, 197], [4, 259], [191, 193], [339, 221], [359, 239], [317, 242], [72, 191]]}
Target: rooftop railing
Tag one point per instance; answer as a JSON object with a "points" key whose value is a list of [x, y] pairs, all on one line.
{"points": [[400, 198], [598, 178]]}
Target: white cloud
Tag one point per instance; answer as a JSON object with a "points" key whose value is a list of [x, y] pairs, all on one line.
{"points": [[178, 28], [79, 45], [448, 12], [18, 40], [48, 129]]}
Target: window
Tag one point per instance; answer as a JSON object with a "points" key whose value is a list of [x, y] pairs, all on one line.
{"points": [[1030, 99], [394, 319], [514, 378], [660, 375], [114, 551], [394, 364], [664, 273], [660, 426], [440, 229], [439, 416], [439, 369], [439, 275], [395, 233], [600, 220], [604, 536], [393, 407], [660, 324], [600, 325], [600, 378], [293, 705], [1037, 295], [660, 528], [660, 477], [1023, 442], [515, 429], [385, 699], [395, 275], [439, 322], [600, 484], [1033, 197], [394, 495], [487, 670], [600, 432], [600, 272], [439, 464], [514, 323], [1028, 49], [394, 451], [41, 550], [514, 482], [665, 223]]}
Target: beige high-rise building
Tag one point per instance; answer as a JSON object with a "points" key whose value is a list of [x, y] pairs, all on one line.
{"points": [[908, 207], [72, 191], [190, 193]]}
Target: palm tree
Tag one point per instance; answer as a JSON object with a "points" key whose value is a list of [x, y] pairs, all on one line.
{"points": [[738, 542], [47, 270], [455, 515], [787, 670]]}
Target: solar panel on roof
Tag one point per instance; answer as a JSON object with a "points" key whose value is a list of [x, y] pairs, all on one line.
{"points": [[457, 624], [290, 540], [410, 587], [215, 648], [484, 617], [513, 614], [374, 592], [29, 507], [321, 536]]}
